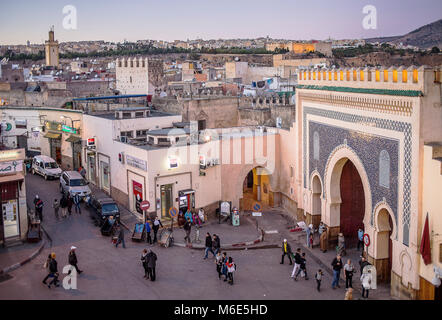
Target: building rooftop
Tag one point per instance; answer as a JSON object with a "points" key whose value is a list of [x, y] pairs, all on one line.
{"points": [[153, 114]]}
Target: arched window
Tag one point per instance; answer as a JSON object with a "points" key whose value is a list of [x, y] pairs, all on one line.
{"points": [[384, 169], [316, 145]]}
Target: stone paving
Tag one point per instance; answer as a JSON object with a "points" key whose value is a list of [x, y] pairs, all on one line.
{"points": [[116, 273]]}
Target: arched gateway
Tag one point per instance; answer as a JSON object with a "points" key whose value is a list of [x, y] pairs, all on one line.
{"points": [[348, 195]]}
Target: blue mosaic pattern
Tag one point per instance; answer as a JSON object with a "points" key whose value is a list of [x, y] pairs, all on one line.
{"points": [[403, 127], [367, 148]]}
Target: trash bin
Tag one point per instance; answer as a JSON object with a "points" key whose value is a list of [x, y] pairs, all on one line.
{"points": [[235, 217]]}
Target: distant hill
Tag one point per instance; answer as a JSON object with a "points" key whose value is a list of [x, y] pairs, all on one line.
{"points": [[425, 37]]}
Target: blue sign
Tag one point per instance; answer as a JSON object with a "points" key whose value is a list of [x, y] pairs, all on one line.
{"points": [[256, 206], [173, 212]]}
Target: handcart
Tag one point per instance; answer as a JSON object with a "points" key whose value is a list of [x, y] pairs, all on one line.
{"points": [[166, 238]]}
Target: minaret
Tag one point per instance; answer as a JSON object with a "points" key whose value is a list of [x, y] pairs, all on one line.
{"points": [[51, 50]]}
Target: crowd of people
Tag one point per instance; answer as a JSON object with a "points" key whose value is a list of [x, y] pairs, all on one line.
{"points": [[300, 267]]}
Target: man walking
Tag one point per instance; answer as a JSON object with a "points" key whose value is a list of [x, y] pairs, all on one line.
{"points": [[360, 239], [63, 205], [208, 246], [337, 266], [56, 206], [144, 260], [39, 207], [120, 237], [77, 201], [72, 258], [187, 228], [151, 264], [216, 244], [286, 250], [53, 272], [302, 268], [297, 262], [148, 237], [70, 202]]}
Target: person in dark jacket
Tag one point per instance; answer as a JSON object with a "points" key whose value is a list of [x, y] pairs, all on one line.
{"points": [[156, 226], [208, 246], [363, 262], [302, 267], [151, 264], [120, 236], [298, 262], [63, 205], [70, 202], [144, 260], [72, 258], [77, 202], [53, 271], [337, 266], [38, 207], [148, 229], [286, 250], [187, 228], [216, 244]]}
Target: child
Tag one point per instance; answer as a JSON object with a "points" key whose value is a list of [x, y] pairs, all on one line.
{"points": [[56, 206], [318, 277], [311, 240]]}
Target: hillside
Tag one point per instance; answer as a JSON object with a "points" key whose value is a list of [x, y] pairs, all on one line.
{"points": [[425, 37]]}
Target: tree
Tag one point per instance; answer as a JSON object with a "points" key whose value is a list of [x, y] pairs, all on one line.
{"points": [[435, 50]]}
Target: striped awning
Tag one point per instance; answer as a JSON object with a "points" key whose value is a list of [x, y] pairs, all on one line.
{"points": [[51, 135]]}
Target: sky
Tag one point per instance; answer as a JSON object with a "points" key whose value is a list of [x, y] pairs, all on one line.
{"points": [[117, 20]]}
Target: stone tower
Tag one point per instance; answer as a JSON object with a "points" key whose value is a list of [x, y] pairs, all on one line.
{"points": [[51, 50]]}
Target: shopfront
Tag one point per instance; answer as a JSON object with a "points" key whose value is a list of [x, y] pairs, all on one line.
{"points": [[13, 224]]}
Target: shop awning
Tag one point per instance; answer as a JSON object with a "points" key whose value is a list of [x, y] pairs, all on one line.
{"points": [[51, 135], [73, 139], [12, 177]]}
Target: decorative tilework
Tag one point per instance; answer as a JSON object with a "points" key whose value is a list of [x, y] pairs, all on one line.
{"points": [[403, 127]]}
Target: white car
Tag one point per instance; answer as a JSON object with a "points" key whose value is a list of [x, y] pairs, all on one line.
{"points": [[46, 167]]}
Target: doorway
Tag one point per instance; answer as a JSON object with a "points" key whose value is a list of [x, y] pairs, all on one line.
{"points": [[166, 199], [56, 150], [384, 252], [352, 207], [9, 209]]}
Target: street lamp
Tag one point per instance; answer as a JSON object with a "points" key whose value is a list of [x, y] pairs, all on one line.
{"points": [[72, 121]]}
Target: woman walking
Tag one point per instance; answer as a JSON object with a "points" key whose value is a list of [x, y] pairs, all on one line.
{"points": [[349, 269], [231, 268]]}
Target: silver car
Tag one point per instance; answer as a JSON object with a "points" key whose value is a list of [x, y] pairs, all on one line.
{"points": [[46, 167], [72, 183]]}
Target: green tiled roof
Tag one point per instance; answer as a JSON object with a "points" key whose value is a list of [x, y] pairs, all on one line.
{"points": [[406, 93]]}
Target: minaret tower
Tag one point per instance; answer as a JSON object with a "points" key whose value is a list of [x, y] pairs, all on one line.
{"points": [[51, 50]]}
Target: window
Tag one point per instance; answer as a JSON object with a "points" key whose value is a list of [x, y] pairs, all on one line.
{"points": [[384, 169], [151, 140], [77, 182], [127, 115], [109, 208], [51, 165], [316, 145], [141, 133], [139, 114], [128, 134]]}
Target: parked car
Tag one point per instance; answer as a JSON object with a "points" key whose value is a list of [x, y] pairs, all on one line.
{"points": [[72, 183], [46, 167], [103, 208]]}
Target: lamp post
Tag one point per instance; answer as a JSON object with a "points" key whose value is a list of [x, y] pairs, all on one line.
{"points": [[72, 121]]}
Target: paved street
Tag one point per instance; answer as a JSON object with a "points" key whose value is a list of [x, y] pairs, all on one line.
{"points": [[116, 273]]}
